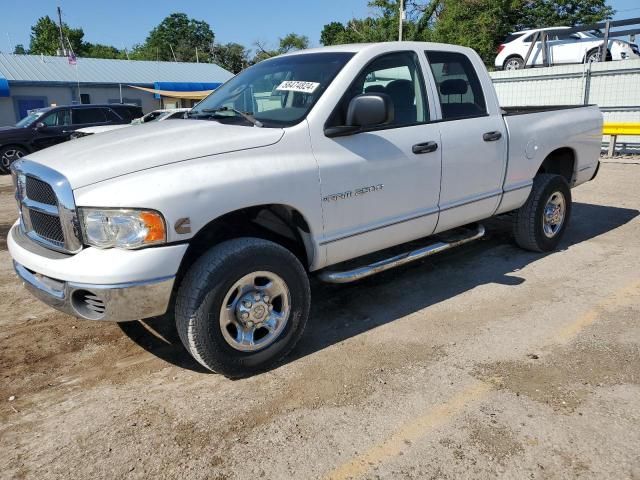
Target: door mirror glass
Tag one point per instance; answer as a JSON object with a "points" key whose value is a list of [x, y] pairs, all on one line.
{"points": [[40, 126], [369, 110]]}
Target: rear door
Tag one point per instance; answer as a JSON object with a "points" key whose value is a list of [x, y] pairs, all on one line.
{"points": [[88, 117], [473, 140]]}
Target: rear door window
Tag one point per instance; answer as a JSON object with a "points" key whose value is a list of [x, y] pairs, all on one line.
{"points": [[459, 88], [83, 116]]}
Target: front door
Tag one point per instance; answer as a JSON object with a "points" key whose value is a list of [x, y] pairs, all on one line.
{"points": [[474, 142], [55, 129], [380, 188]]}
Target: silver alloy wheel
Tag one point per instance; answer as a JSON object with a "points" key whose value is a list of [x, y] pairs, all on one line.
{"points": [[594, 57], [553, 215], [512, 64], [255, 311], [11, 155]]}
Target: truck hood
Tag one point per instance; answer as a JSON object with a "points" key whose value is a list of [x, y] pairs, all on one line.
{"points": [[111, 154]]}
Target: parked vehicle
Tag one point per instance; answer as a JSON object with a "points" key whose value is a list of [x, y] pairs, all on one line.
{"points": [[294, 166], [562, 48], [155, 116], [49, 126]]}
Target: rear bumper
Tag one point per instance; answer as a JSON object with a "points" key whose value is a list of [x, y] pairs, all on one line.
{"points": [[118, 303]]}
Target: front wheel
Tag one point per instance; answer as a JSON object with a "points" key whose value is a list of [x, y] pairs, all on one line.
{"points": [[8, 155], [540, 223], [242, 306]]}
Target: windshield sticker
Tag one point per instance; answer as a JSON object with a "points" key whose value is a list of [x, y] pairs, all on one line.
{"points": [[296, 86]]}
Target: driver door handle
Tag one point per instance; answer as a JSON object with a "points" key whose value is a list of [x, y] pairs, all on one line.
{"points": [[426, 147], [492, 136]]}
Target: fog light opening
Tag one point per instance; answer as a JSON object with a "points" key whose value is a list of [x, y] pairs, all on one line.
{"points": [[88, 305]]}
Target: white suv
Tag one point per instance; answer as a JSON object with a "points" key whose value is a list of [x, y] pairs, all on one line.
{"points": [[563, 48]]}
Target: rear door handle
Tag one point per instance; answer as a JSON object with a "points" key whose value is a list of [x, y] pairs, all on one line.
{"points": [[426, 147], [492, 136]]}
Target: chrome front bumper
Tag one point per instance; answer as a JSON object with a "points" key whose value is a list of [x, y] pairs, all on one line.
{"points": [[117, 303]]}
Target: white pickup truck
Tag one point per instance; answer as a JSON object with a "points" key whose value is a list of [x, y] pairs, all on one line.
{"points": [[295, 166]]}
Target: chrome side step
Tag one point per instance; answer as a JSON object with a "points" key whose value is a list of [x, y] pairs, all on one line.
{"points": [[397, 260]]}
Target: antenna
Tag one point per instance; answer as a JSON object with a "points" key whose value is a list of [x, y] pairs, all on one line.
{"points": [[63, 49]]}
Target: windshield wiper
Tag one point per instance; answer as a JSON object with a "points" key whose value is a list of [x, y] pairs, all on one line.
{"points": [[246, 115]]}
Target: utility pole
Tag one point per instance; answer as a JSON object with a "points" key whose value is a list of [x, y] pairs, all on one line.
{"points": [[173, 53], [62, 47], [401, 20]]}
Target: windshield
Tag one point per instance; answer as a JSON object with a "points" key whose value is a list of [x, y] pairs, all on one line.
{"points": [[29, 119], [279, 92]]}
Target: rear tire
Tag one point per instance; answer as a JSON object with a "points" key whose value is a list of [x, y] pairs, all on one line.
{"points": [[8, 155], [541, 222], [513, 63], [242, 306]]}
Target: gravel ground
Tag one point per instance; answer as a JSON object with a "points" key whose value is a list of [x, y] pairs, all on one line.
{"points": [[486, 361]]}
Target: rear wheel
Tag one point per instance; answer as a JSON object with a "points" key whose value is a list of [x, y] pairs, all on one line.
{"points": [[513, 63], [540, 223], [8, 155], [242, 306]]}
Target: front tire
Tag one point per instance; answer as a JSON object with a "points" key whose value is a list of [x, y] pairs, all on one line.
{"points": [[541, 222], [242, 306]]}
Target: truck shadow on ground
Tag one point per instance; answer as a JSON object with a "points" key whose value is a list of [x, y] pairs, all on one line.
{"points": [[340, 312]]}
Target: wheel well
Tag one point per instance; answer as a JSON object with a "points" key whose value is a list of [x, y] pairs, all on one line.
{"points": [[24, 147], [278, 223], [515, 55], [589, 52], [560, 162]]}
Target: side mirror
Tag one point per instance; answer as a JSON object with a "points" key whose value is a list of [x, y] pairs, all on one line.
{"points": [[365, 111], [40, 126]]}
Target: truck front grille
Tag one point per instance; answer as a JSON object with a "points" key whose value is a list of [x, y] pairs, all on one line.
{"points": [[47, 227], [39, 191], [47, 207]]}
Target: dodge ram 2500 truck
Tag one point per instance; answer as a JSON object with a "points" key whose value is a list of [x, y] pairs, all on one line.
{"points": [[296, 165]]}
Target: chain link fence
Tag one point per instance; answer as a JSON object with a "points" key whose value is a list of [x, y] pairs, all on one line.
{"points": [[613, 86]]}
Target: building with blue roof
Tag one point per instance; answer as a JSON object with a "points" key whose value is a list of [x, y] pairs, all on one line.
{"points": [[34, 81]]}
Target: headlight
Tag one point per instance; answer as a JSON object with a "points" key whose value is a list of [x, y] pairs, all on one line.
{"points": [[122, 228]]}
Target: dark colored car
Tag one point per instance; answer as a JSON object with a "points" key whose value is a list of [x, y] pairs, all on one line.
{"points": [[49, 126]]}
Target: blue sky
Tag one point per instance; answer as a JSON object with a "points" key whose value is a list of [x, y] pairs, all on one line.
{"points": [[123, 23]]}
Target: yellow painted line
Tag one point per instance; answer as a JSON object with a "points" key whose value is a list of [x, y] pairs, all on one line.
{"points": [[620, 128], [410, 432], [438, 415], [620, 298]]}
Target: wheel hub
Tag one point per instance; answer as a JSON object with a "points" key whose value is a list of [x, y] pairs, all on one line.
{"points": [[553, 216], [253, 309]]}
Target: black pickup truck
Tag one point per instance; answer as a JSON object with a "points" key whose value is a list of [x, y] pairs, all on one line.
{"points": [[49, 126]]}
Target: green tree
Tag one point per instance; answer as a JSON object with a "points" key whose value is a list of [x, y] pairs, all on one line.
{"points": [[98, 50], [180, 35], [293, 41], [479, 24], [549, 13], [45, 37], [332, 33], [231, 56], [288, 43], [19, 49]]}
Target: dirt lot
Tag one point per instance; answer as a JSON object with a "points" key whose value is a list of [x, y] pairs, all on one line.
{"points": [[489, 361]]}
